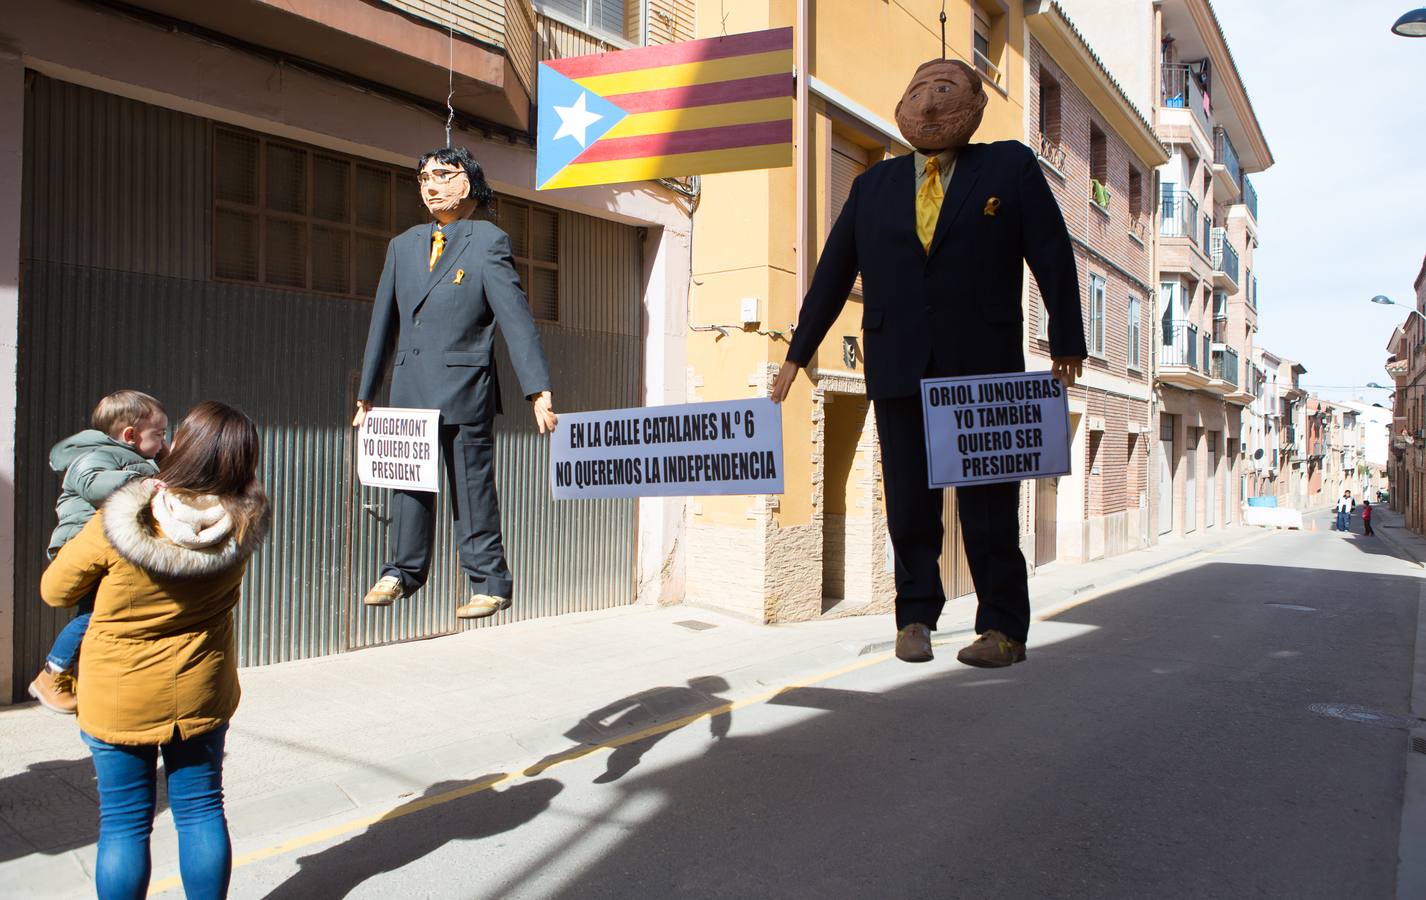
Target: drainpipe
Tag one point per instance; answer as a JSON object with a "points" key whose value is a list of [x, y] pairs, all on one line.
{"points": [[802, 165]]}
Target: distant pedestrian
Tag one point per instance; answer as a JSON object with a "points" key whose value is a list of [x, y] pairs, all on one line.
{"points": [[164, 560], [127, 433], [1344, 511], [1367, 518]]}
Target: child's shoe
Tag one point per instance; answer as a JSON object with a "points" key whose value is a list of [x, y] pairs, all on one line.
{"points": [[55, 691]]}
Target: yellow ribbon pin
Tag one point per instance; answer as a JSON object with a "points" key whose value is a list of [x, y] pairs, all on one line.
{"points": [[460, 275], [992, 205]]}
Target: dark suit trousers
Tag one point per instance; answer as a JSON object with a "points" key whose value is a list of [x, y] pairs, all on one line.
{"points": [[469, 455], [990, 527]]}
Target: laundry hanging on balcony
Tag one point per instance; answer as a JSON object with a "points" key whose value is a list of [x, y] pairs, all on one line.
{"points": [[718, 104]]}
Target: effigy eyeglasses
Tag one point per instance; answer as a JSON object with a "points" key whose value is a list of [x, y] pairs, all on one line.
{"points": [[439, 176]]}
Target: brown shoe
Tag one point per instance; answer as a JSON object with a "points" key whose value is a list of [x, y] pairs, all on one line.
{"points": [[55, 691], [992, 650], [913, 643], [386, 591], [481, 606]]}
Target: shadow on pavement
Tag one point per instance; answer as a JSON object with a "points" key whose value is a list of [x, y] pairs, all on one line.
{"points": [[400, 838], [52, 807], [1160, 742], [638, 711]]}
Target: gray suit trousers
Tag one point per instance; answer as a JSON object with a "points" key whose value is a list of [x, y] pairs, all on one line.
{"points": [[469, 454]]}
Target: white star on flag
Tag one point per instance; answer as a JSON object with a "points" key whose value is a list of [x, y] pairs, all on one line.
{"points": [[574, 120]]}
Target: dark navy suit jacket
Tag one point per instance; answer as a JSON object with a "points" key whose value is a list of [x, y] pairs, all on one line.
{"points": [[443, 332], [955, 310]]}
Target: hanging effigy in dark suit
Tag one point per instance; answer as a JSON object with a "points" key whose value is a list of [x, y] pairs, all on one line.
{"points": [[940, 238], [445, 288]]}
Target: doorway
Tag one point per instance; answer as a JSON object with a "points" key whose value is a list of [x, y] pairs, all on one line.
{"points": [[844, 417], [955, 568], [1046, 520], [1190, 480], [1210, 484], [1166, 464]]}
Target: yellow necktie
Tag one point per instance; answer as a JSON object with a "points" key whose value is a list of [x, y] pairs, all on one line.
{"points": [[438, 243], [928, 204]]}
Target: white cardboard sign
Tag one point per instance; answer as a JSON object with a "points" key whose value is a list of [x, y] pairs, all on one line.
{"points": [[400, 448], [989, 429], [726, 447]]}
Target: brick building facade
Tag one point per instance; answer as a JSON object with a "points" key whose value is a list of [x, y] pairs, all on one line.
{"points": [[1098, 153], [1406, 461]]}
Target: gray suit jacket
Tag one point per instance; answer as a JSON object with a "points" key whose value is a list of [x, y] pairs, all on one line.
{"points": [[443, 332]]}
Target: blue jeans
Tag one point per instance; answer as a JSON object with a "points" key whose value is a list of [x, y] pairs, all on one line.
{"points": [[1344, 520], [65, 651], [127, 781]]}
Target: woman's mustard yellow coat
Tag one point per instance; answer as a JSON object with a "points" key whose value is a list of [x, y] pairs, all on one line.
{"points": [[158, 662]]}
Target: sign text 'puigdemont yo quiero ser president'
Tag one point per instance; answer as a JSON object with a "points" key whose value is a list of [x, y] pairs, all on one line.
{"points": [[399, 448], [993, 428], [727, 447]]}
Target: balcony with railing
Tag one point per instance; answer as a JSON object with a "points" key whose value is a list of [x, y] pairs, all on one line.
{"points": [[1226, 366], [1225, 261], [1227, 171], [1179, 217], [1182, 90], [1183, 355], [1250, 197]]}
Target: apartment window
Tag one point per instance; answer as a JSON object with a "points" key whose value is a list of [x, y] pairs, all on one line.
{"points": [[1096, 315], [534, 243], [846, 161], [622, 20], [1098, 167], [1136, 194], [294, 216], [1168, 297], [1049, 109], [1135, 332], [988, 21]]}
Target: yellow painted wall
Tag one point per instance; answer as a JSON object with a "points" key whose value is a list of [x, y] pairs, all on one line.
{"points": [[868, 49], [744, 239]]}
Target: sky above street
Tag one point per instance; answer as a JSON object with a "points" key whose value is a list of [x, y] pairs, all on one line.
{"points": [[1342, 212]]}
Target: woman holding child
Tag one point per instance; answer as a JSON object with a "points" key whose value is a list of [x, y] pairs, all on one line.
{"points": [[166, 558]]}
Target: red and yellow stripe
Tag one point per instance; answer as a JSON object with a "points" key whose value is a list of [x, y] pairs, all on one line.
{"points": [[714, 105]]}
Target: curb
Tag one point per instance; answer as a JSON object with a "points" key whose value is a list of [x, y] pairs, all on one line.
{"points": [[1400, 548], [941, 637], [1411, 862]]}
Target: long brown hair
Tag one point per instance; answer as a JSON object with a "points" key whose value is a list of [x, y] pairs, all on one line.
{"points": [[215, 451]]}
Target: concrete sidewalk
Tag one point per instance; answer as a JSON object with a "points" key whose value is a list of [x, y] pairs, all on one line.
{"points": [[320, 743]]}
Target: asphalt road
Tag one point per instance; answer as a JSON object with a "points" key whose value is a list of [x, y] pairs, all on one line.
{"points": [[1160, 741]]}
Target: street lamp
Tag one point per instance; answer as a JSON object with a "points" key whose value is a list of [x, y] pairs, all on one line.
{"points": [[1380, 298], [1412, 24]]}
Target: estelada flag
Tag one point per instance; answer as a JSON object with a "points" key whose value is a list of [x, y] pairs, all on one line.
{"points": [[713, 105]]}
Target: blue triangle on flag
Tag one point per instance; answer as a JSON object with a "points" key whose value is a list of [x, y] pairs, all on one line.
{"points": [[570, 119]]}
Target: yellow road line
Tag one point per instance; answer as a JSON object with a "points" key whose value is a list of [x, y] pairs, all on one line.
{"points": [[577, 753]]}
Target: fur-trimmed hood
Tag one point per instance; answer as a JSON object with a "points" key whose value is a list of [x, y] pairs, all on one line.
{"points": [[177, 536]]}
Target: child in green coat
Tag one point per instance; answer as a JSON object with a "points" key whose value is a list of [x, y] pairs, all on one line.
{"points": [[129, 432]]}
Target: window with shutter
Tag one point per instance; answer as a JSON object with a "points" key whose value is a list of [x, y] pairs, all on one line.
{"points": [[294, 216], [534, 247], [1095, 315], [846, 161], [1135, 332]]}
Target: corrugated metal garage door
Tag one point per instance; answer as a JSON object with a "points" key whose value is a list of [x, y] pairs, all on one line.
{"points": [[119, 290]]}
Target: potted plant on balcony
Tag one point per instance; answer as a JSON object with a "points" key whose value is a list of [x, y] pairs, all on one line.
{"points": [[1099, 194]]}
